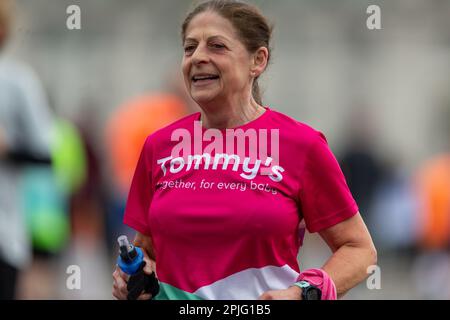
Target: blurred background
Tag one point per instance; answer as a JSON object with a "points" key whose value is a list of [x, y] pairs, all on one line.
{"points": [[76, 106]]}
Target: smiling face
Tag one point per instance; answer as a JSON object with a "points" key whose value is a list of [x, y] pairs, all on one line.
{"points": [[216, 65]]}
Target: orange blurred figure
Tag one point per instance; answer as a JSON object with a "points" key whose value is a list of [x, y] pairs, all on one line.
{"points": [[132, 124], [433, 185]]}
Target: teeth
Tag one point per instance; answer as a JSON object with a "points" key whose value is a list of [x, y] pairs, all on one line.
{"points": [[204, 77]]}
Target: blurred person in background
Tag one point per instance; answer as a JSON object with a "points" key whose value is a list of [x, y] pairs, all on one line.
{"points": [[380, 186], [25, 139], [231, 244], [393, 220], [45, 195], [359, 161], [432, 187]]}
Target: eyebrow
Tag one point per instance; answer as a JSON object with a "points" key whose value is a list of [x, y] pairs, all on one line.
{"points": [[209, 39]]}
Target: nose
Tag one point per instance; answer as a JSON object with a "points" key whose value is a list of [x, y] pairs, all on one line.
{"points": [[200, 56]]}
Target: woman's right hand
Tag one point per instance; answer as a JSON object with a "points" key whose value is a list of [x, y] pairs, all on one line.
{"points": [[120, 291]]}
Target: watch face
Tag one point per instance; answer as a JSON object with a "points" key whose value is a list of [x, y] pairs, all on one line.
{"points": [[313, 294]]}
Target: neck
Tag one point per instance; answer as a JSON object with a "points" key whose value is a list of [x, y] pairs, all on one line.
{"points": [[230, 115]]}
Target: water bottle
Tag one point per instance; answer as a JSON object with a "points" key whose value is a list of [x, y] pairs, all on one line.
{"points": [[131, 261]]}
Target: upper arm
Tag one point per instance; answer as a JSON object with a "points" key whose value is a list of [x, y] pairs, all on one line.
{"points": [[350, 232]]}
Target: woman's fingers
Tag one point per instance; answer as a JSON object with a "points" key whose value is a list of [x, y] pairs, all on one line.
{"points": [[117, 293], [120, 290]]}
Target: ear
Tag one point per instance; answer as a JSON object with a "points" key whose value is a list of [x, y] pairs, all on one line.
{"points": [[259, 62]]}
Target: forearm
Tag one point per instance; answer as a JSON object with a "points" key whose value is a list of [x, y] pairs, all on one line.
{"points": [[348, 266]]}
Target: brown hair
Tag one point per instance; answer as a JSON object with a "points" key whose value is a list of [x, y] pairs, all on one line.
{"points": [[252, 27]]}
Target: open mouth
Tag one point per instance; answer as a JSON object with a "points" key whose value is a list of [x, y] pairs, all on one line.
{"points": [[205, 78]]}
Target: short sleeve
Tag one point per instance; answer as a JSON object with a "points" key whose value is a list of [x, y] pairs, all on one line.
{"points": [[141, 193], [324, 196]]}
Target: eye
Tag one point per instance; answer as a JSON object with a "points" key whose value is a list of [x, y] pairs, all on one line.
{"points": [[189, 49], [217, 46]]}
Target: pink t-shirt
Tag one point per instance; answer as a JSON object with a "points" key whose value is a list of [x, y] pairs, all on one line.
{"points": [[228, 224]]}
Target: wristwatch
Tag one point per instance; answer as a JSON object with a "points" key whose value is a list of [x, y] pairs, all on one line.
{"points": [[309, 292]]}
